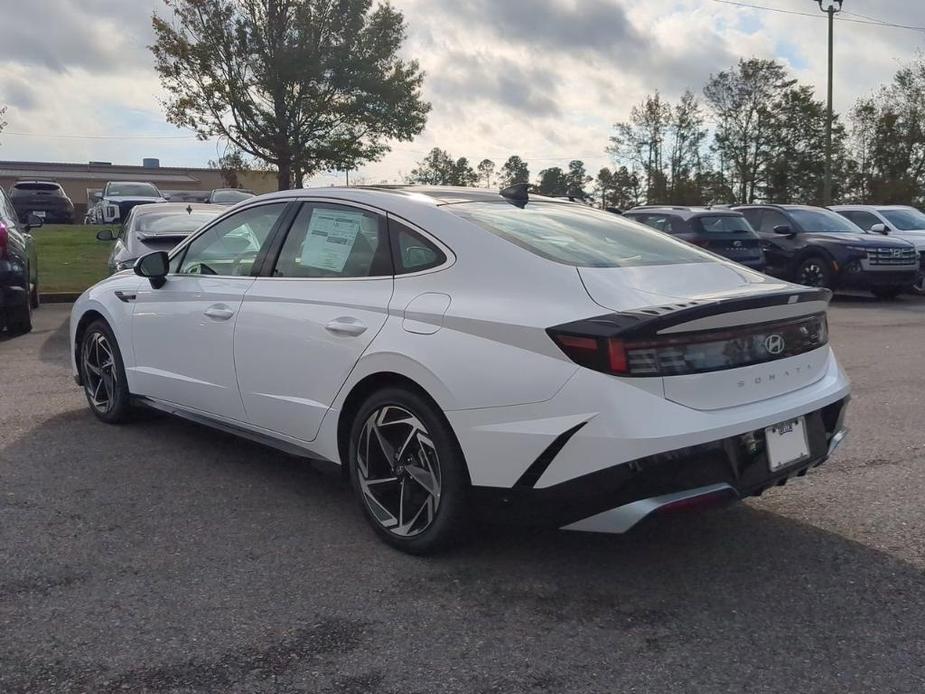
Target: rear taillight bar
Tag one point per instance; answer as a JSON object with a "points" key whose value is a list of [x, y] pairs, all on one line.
{"points": [[4, 241], [696, 352]]}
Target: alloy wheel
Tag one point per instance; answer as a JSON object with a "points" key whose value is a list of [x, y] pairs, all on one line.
{"points": [[812, 274], [398, 471], [99, 372], [919, 286]]}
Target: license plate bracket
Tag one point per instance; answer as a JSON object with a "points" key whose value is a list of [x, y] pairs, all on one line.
{"points": [[787, 443]]}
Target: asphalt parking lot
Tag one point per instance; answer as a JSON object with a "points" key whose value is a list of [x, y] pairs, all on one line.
{"points": [[163, 557]]}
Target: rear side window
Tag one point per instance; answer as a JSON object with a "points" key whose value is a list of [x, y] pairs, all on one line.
{"points": [[335, 241], [578, 235], [666, 223], [723, 224], [412, 252]]}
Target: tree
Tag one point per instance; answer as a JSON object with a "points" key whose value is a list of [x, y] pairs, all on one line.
{"points": [[640, 142], [687, 134], [486, 170], [438, 168], [3, 123], [575, 179], [618, 188], [888, 140], [515, 170], [745, 101], [552, 181], [231, 163], [303, 85]]}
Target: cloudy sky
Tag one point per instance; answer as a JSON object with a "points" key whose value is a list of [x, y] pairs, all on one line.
{"points": [[541, 78]]}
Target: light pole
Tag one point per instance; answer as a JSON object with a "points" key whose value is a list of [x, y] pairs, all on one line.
{"points": [[832, 8]]}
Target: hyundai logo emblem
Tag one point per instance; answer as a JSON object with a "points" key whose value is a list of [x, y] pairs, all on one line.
{"points": [[774, 344], [897, 252]]}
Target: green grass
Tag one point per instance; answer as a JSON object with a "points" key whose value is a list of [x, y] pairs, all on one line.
{"points": [[70, 257]]}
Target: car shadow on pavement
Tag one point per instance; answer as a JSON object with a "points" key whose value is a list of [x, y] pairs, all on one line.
{"points": [[161, 555]]}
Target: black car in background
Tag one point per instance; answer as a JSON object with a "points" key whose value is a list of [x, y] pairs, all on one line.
{"points": [[721, 231], [19, 268], [819, 248], [45, 199]]}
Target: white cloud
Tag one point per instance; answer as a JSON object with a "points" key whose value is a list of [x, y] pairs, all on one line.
{"points": [[541, 78]]}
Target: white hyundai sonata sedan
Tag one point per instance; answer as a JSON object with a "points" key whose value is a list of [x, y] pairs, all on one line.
{"points": [[460, 351]]}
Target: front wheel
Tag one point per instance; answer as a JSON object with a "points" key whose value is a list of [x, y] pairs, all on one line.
{"points": [[919, 287], [815, 271], [103, 374], [408, 471]]}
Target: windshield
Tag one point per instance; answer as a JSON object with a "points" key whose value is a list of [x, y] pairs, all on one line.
{"points": [[824, 221], [173, 222], [724, 224], [46, 187], [578, 235], [141, 190], [231, 195], [905, 220]]}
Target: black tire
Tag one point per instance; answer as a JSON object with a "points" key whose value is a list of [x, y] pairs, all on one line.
{"points": [[34, 297], [431, 477], [886, 293], [19, 319], [814, 271], [918, 289], [108, 398]]}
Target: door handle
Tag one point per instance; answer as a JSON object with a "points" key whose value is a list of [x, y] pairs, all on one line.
{"points": [[346, 326], [219, 312]]}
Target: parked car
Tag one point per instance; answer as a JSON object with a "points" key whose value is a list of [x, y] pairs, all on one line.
{"points": [[45, 199], [229, 196], [724, 232], [510, 355], [819, 248], [186, 195], [899, 221], [118, 198], [19, 268], [151, 228]]}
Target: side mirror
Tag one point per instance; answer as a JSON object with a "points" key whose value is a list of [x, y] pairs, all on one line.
{"points": [[33, 221], [880, 229], [784, 230], [155, 267], [105, 235]]}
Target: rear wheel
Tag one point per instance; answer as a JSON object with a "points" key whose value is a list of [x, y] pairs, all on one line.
{"points": [[814, 271], [408, 472], [103, 374], [886, 292]]}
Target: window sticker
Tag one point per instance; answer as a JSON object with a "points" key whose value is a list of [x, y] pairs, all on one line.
{"points": [[331, 235]]}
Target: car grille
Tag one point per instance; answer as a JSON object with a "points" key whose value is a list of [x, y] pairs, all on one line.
{"points": [[892, 256]]}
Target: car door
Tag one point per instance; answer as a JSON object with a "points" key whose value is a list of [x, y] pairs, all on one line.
{"points": [[182, 332], [20, 243], [303, 326], [779, 249]]}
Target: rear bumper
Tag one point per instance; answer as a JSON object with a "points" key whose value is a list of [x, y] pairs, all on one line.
{"points": [[617, 498]]}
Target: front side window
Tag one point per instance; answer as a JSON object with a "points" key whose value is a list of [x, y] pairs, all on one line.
{"points": [[771, 219], [230, 196], [823, 221], [905, 220], [335, 241], [578, 235], [865, 220], [230, 248], [171, 222]]}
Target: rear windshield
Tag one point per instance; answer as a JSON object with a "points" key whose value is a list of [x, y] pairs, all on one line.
{"points": [[905, 220], [578, 235], [724, 224], [47, 187], [231, 196], [174, 223], [142, 190], [824, 221]]}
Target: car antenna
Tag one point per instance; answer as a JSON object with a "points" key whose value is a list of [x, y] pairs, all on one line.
{"points": [[517, 194]]}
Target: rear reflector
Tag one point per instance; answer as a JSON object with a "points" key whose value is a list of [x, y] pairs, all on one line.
{"points": [[698, 352]]}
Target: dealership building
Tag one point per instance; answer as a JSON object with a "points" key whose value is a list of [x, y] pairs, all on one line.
{"points": [[80, 181]]}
